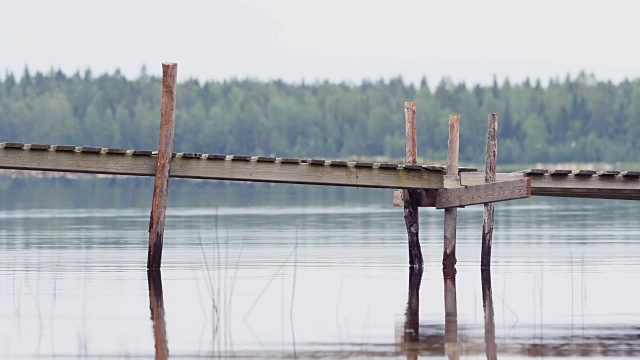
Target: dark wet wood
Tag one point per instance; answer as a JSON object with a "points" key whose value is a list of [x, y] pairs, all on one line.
{"points": [[608, 173], [290, 161], [64, 147], [39, 146], [630, 173], [413, 167], [266, 159], [117, 151], [190, 155], [388, 166], [536, 171], [411, 198], [142, 152], [451, 214], [156, 305], [317, 161], [364, 164], [241, 158], [435, 167], [12, 145], [165, 151], [560, 172], [216, 157], [491, 348], [91, 149], [490, 177], [584, 172], [426, 198], [338, 163]]}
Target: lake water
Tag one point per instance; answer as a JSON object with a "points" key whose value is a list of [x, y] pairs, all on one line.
{"points": [[270, 271]]}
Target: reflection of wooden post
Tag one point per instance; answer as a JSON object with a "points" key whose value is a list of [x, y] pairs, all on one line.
{"points": [[412, 316], [451, 347], [451, 214], [489, 177], [489, 324], [156, 303], [412, 197], [165, 149]]}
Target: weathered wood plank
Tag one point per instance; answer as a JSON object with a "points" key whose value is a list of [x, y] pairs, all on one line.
{"points": [[39, 146], [485, 193], [64, 147], [317, 161], [584, 172], [91, 149], [266, 159], [338, 163], [12, 145], [630, 173], [388, 166], [413, 167], [536, 171], [216, 156], [117, 151], [200, 168], [560, 172], [608, 173]]}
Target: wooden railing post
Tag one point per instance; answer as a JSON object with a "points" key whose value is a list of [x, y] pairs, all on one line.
{"points": [[411, 197], [489, 177], [451, 214], [165, 150]]}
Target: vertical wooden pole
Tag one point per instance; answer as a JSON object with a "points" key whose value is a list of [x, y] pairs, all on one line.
{"points": [[165, 149], [411, 197], [451, 214], [489, 177], [156, 304]]}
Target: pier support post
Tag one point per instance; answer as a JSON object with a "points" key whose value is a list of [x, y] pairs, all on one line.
{"points": [[451, 214], [165, 150], [489, 177], [411, 197]]}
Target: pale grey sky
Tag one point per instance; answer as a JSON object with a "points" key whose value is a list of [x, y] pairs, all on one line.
{"points": [[336, 40]]}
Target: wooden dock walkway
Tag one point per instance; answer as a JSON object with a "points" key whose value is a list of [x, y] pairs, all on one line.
{"points": [[116, 161]]}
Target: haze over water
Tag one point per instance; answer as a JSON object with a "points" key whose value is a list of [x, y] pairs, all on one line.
{"points": [[303, 271]]}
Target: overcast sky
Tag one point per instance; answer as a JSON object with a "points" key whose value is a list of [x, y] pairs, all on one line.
{"points": [[343, 40]]}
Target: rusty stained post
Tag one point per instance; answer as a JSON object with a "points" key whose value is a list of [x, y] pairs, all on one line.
{"points": [[411, 197], [165, 149], [451, 214], [489, 177]]}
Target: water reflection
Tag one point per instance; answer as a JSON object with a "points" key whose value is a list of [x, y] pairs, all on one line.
{"points": [[451, 346], [156, 304], [489, 324]]}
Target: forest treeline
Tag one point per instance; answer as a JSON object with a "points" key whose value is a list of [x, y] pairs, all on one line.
{"points": [[573, 119]]}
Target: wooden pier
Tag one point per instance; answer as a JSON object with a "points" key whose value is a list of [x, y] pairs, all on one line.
{"points": [[448, 188]]}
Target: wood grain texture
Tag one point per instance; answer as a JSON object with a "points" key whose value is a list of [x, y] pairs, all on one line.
{"points": [[485, 193], [163, 167], [490, 177], [222, 169], [411, 198], [451, 214]]}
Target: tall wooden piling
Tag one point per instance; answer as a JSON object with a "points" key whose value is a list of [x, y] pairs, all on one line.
{"points": [[412, 197], [489, 177], [451, 214], [165, 150]]}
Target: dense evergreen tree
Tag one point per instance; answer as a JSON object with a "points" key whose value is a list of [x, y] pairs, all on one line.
{"points": [[577, 119]]}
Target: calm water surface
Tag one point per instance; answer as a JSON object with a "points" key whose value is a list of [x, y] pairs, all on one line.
{"points": [[273, 271]]}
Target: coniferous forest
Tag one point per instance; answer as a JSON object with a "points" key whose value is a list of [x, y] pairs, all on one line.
{"points": [[572, 119]]}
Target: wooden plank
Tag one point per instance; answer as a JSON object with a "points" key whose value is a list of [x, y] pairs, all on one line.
{"points": [[64, 147], [163, 169], [599, 187], [485, 193], [608, 173], [317, 161], [91, 149], [117, 151], [584, 172], [240, 158], [290, 161], [364, 164], [411, 197], [216, 157], [536, 171], [451, 214], [338, 163], [200, 168], [630, 173], [490, 177], [266, 159], [560, 172], [12, 145], [39, 146], [388, 166], [142, 152]]}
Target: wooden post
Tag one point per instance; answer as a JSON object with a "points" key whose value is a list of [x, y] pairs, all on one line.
{"points": [[489, 177], [451, 214], [156, 304], [165, 149], [412, 197]]}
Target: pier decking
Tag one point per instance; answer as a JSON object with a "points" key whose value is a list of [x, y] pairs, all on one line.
{"points": [[115, 161]]}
